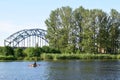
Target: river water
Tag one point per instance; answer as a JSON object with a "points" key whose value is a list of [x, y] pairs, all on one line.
{"points": [[61, 70]]}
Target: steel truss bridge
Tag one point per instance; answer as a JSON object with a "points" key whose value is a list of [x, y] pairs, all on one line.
{"points": [[27, 38]]}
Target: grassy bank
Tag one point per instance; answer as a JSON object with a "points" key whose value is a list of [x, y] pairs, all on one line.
{"points": [[12, 58], [50, 56], [6, 58], [78, 56]]}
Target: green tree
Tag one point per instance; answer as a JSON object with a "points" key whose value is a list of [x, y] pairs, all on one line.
{"points": [[85, 30], [77, 28], [8, 51], [18, 52], [29, 52], [58, 28], [1, 50], [37, 51], [46, 49], [114, 31]]}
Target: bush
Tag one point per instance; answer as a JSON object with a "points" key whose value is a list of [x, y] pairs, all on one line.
{"points": [[1, 50], [29, 52], [47, 49], [37, 51], [8, 51], [18, 52], [33, 52]]}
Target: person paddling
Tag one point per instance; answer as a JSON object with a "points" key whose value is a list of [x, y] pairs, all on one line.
{"points": [[35, 64]]}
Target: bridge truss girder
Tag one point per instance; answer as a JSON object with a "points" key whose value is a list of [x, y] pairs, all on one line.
{"points": [[34, 35]]}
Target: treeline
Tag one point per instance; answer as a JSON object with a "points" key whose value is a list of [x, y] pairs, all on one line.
{"points": [[30, 53], [84, 30]]}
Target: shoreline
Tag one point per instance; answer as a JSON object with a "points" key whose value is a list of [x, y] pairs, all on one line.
{"points": [[53, 56]]}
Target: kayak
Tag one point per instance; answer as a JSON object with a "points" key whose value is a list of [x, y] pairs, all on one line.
{"points": [[32, 65]]}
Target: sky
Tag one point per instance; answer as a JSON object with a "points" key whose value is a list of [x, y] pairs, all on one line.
{"points": [[16, 15]]}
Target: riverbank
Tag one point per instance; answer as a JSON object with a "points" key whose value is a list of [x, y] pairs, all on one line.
{"points": [[78, 56], [54, 56]]}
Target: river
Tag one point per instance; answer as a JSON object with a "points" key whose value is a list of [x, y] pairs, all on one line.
{"points": [[61, 70]]}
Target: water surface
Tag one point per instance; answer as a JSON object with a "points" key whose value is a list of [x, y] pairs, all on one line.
{"points": [[61, 70]]}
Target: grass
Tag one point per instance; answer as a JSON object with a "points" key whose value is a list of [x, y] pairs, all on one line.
{"points": [[63, 56], [7, 58], [78, 56], [31, 58], [12, 58]]}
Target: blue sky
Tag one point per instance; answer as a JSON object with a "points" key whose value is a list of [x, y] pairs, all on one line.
{"points": [[16, 15]]}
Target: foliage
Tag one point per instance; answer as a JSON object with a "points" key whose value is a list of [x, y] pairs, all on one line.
{"points": [[47, 49], [59, 25], [1, 49], [18, 52], [29, 51], [37, 51], [78, 56], [2, 57], [8, 51], [86, 30]]}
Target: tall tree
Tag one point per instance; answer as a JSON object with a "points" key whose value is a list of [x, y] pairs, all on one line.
{"points": [[114, 31], [78, 26], [58, 26], [90, 31]]}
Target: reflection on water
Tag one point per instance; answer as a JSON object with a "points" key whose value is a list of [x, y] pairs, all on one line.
{"points": [[61, 70], [85, 70]]}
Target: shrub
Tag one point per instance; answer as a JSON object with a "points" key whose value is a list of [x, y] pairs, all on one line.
{"points": [[37, 51], [18, 52], [29, 52], [8, 51], [46, 49], [1, 50]]}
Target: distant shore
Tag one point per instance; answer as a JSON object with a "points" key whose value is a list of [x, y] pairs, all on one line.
{"points": [[53, 56]]}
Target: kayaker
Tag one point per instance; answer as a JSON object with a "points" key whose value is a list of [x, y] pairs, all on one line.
{"points": [[35, 64]]}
